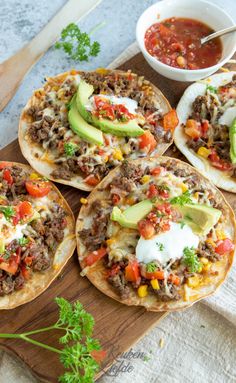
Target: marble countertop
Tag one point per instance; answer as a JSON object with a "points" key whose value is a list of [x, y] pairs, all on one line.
{"points": [[21, 20]]}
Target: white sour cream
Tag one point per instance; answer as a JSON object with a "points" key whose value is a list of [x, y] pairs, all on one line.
{"points": [[130, 104], [166, 246], [9, 232], [228, 116]]}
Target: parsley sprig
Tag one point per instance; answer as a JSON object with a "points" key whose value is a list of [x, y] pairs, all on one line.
{"points": [[77, 44], [191, 260], [76, 356], [151, 267], [70, 148], [212, 89]]}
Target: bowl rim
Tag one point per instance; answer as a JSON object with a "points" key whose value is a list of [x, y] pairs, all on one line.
{"points": [[221, 62]]}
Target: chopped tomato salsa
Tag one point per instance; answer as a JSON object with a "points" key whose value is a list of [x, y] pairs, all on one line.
{"points": [[105, 109], [176, 42]]}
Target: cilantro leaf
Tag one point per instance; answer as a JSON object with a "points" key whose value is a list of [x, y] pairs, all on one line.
{"points": [[191, 260], [8, 211], [23, 241], [151, 267], [160, 246], [212, 89], [70, 148], [182, 199], [76, 44]]}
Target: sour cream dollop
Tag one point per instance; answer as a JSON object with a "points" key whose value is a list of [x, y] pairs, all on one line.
{"points": [[166, 246], [9, 232]]}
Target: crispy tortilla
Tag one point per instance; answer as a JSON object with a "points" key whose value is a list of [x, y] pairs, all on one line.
{"points": [[33, 152], [97, 272], [40, 281], [220, 178]]}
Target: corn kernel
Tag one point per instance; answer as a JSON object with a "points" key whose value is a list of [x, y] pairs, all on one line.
{"points": [[60, 94], [73, 71], [155, 284], [105, 159], [220, 234], [145, 179], [34, 176], [117, 155], [203, 152], [204, 260], [130, 201], [84, 201], [211, 242], [110, 241], [207, 267], [142, 291], [193, 281], [184, 187], [196, 195], [102, 71]]}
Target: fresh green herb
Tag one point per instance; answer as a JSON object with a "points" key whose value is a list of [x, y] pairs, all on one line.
{"points": [[23, 241], [182, 199], [151, 267], [191, 260], [70, 148], [211, 89], [182, 224], [8, 211], [79, 346], [160, 246], [77, 44]]}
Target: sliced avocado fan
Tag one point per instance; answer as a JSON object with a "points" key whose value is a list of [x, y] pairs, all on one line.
{"points": [[81, 127], [201, 218], [117, 128], [232, 137]]}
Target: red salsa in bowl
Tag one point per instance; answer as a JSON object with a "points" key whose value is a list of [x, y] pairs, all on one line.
{"points": [[176, 42]]}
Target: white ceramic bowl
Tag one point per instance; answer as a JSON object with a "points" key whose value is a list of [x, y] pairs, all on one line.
{"points": [[201, 10]]}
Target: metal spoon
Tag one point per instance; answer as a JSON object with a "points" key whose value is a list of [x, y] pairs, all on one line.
{"points": [[218, 33]]}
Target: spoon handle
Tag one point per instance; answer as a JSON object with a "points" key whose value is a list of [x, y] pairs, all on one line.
{"points": [[218, 33]]}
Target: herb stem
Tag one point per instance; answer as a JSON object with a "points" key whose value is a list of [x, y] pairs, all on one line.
{"points": [[40, 330], [27, 339], [97, 27]]}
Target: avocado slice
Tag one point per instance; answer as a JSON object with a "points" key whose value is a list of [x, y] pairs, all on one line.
{"points": [[82, 128], [129, 128], [201, 218], [132, 215], [232, 137], [2, 246]]}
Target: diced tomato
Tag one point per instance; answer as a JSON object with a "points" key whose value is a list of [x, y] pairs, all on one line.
{"points": [[16, 218], [164, 208], [163, 193], [101, 152], [164, 31], [155, 171], [166, 226], [205, 127], [12, 265], [106, 140], [28, 260], [115, 199], [218, 163], [192, 129], [25, 209], [147, 140], [94, 256], [4, 164], [132, 271], [152, 191], [114, 270], [91, 180], [98, 355], [173, 278], [224, 246], [170, 120], [26, 272], [155, 275], [7, 176], [37, 188], [146, 228]]}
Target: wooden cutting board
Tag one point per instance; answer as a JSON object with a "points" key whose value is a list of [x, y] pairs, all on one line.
{"points": [[117, 326]]}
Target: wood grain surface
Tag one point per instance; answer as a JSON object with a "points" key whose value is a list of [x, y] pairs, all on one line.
{"points": [[117, 326]]}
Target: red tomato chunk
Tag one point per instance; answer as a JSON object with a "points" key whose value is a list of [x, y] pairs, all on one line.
{"points": [[176, 42]]}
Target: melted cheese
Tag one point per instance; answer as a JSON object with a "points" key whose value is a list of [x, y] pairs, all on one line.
{"points": [[166, 246], [9, 232], [228, 116]]}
